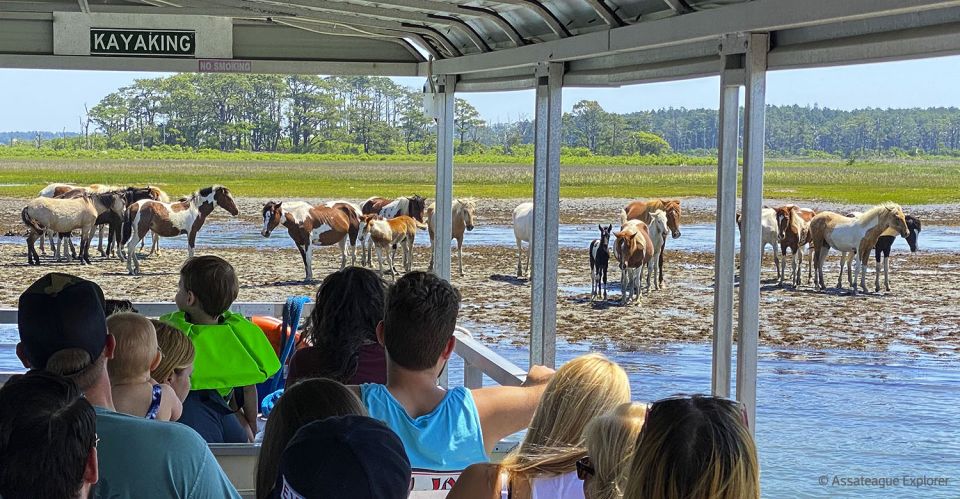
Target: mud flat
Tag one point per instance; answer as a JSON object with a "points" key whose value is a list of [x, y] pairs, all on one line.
{"points": [[919, 315]]}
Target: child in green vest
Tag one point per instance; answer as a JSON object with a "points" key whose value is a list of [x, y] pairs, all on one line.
{"points": [[232, 353]]}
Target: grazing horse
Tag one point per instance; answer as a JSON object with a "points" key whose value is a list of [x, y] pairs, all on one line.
{"points": [[658, 234], [633, 249], [321, 224], [386, 233], [62, 216], [523, 231], [641, 210], [599, 260], [411, 206], [173, 219], [793, 232], [885, 242], [829, 230], [768, 235], [463, 216]]}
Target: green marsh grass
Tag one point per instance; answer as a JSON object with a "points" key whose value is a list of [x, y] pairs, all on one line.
{"points": [[906, 182]]}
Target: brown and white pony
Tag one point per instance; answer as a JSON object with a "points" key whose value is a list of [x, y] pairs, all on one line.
{"points": [[642, 210], [768, 235], [411, 206], [633, 249], [829, 230], [793, 232], [325, 225], [387, 233], [463, 217], [62, 216], [173, 219], [657, 230]]}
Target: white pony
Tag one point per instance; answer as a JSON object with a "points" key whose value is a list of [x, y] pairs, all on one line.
{"points": [[768, 234], [658, 234], [523, 231]]}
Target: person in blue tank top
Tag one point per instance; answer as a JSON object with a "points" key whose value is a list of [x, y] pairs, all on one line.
{"points": [[442, 430]]}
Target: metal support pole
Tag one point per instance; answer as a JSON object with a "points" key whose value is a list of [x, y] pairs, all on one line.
{"points": [[546, 214], [730, 80], [750, 251], [443, 215]]}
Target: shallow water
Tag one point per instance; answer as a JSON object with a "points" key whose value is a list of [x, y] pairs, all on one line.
{"points": [[695, 237], [820, 413]]}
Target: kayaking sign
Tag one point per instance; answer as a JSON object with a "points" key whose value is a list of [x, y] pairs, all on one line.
{"points": [[140, 42]]}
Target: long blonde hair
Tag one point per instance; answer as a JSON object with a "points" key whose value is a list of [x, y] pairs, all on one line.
{"points": [[611, 440], [176, 348], [694, 447], [584, 388]]}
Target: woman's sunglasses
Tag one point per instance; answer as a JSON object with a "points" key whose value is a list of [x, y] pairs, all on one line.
{"points": [[585, 468]]}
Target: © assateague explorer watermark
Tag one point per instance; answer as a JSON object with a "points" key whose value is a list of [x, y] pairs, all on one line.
{"points": [[891, 481]]}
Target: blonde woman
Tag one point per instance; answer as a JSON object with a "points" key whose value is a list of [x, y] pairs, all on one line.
{"points": [[176, 365], [544, 464], [306, 401], [611, 440], [695, 447]]}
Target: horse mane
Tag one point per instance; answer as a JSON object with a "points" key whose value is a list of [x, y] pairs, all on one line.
{"points": [[877, 210]]}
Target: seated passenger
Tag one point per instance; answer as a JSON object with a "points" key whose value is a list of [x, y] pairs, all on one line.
{"points": [[342, 330], [544, 465], [353, 457], [307, 401], [63, 330], [695, 446], [442, 430], [48, 438], [231, 352], [135, 356], [611, 440], [176, 366]]}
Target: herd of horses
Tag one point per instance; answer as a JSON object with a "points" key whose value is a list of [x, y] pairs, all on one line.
{"points": [[640, 242], [386, 225]]}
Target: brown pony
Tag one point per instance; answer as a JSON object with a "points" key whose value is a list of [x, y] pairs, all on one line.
{"points": [[411, 206], [320, 224], [463, 216], [172, 219], [384, 233], [633, 249], [793, 232], [643, 210]]}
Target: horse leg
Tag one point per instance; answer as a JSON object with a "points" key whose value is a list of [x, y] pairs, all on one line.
{"points": [[343, 252], [663, 246], [886, 273], [593, 278], [604, 283], [308, 260], [460, 254], [191, 242], [408, 254], [624, 290], [519, 258]]}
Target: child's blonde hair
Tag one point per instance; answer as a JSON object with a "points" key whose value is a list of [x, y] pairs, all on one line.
{"points": [[136, 347], [176, 348], [611, 440], [582, 389]]}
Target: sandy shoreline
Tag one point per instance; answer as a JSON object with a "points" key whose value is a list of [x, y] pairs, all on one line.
{"points": [[918, 316]]}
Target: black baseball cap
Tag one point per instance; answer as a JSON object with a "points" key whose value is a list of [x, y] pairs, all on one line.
{"points": [[58, 312], [339, 457]]}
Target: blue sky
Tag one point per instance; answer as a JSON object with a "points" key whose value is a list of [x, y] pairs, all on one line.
{"points": [[54, 100]]}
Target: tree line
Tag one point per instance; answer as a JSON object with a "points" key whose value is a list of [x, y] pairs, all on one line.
{"points": [[375, 115]]}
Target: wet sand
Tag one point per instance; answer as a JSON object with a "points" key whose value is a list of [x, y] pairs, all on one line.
{"points": [[919, 315]]}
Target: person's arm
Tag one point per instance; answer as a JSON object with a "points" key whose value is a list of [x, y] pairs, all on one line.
{"points": [[478, 481], [505, 410], [170, 404], [250, 409]]}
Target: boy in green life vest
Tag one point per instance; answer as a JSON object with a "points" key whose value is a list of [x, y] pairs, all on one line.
{"points": [[232, 353]]}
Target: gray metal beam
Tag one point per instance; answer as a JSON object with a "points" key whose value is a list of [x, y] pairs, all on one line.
{"points": [[500, 21], [754, 123], [339, 30], [543, 12], [466, 10], [443, 216], [761, 15], [84, 6], [731, 78], [606, 13], [679, 6], [544, 248]]}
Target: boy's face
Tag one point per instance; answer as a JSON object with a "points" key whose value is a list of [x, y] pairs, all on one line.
{"points": [[184, 299]]}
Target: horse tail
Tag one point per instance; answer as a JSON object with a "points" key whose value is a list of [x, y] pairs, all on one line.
{"points": [[29, 221], [126, 230]]}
